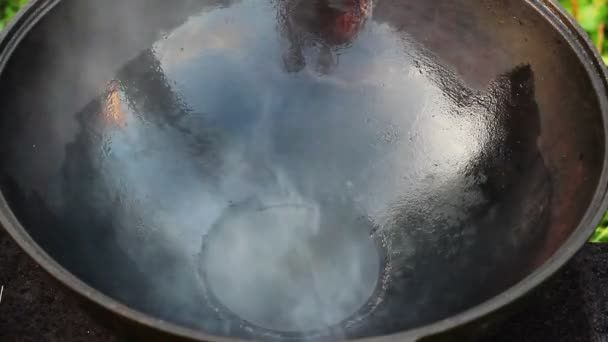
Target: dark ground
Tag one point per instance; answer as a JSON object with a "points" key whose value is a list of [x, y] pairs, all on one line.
{"points": [[571, 307]]}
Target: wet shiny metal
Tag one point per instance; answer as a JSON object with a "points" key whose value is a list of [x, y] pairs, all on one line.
{"points": [[464, 140]]}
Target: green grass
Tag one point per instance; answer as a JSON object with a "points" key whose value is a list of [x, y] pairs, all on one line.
{"points": [[601, 233], [8, 8], [591, 14]]}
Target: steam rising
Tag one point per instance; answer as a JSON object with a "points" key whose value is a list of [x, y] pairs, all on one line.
{"points": [[273, 196], [281, 267], [275, 213]]}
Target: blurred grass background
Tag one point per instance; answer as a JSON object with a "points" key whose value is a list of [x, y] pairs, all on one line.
{"points": [[8, 8], [591, 14]]}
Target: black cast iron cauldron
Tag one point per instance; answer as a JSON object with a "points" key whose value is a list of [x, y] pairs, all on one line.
{"points": [[288, 170]]}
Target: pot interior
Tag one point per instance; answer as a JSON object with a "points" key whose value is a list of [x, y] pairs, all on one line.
{"points": [[298, 169]]}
